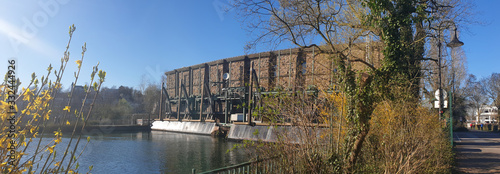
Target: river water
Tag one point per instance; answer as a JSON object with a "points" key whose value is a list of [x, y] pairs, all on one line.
{"points": [[156, 152]]}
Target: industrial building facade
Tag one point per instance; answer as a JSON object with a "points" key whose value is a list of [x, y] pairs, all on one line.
{"points": [[218, 89]]}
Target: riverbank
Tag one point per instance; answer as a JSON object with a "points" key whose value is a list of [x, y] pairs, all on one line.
{"points": [[97, 128]]}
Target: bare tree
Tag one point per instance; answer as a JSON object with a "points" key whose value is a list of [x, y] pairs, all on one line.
{"points": [[151, 97], [491, 87], [476, 94]]}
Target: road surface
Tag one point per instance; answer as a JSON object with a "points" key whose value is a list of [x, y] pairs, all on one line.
{"points": [[477, 152]]}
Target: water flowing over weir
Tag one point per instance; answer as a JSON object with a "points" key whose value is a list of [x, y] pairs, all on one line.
{"points": [[266, 133], [246, 132], [203, 128], [290, 134]]}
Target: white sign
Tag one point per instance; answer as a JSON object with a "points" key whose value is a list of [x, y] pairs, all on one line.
{"points": [[436, 94], [445, 104]]}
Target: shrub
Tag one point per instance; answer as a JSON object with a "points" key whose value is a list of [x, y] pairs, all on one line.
{"points": [[22, 125], [404, 137]]}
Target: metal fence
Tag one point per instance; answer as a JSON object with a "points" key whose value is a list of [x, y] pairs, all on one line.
{"points": [[267, 165]]}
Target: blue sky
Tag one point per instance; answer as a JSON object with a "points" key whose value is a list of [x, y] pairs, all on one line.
{"points": [[133, 40]]}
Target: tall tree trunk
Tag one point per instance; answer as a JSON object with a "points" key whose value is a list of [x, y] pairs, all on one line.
{"points": [[416, 63], [358, 145], [365, 104]]}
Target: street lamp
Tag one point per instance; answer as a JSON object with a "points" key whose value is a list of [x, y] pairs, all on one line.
{"points": [[452, 44], [454, 41]]}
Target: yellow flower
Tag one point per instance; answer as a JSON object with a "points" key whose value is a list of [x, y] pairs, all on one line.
{"points": [[48, 97], [51, 148], [38, 101], [27, 95], [57, 140], [67, 122], [29, 163], [67, 108], [57, 86], [79, 63], [26, 111], [3, 140], [57, 133], [35, 115], [47, 115]]}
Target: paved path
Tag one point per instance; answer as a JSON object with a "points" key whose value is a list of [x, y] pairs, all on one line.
{"points": [[477, 152]]}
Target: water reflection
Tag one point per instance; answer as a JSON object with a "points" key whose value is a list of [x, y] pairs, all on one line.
{"points": [[157, 152], [199, 152]]}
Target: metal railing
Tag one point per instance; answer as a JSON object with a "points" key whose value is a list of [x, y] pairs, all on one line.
{"points": [[267, 165]]}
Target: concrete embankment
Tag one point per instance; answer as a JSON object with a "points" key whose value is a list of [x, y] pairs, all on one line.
{"points": [[203, 128], [89, 129]]}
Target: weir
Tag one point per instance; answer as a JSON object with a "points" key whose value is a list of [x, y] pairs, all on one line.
{"points": [[246, 132], [203, 128], [265, 133], [236, 131]]}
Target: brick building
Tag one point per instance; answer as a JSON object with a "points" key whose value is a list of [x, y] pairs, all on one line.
{"points": [[204, 91]]}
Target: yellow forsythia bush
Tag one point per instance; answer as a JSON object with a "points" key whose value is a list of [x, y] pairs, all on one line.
{"points": [[25, 147]]}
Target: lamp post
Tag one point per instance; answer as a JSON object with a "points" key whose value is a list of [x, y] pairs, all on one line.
{"points": [[452, 44]]}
